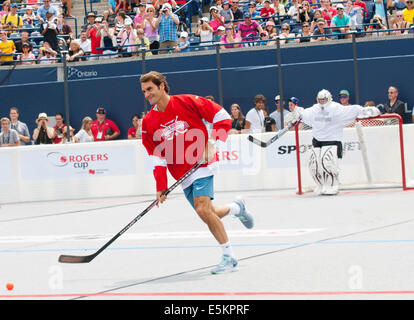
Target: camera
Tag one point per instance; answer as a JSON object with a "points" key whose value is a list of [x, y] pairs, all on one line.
{"points": [[9, 23], [164, 10], [375, 21]]}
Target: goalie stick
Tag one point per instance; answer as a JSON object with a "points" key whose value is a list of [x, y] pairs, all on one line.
{"points": [[85, 259], [274, 138]]}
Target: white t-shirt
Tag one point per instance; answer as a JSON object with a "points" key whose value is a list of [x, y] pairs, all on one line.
{"points": [[85, 45], [328, 122], [83, 136], [256, 119]]}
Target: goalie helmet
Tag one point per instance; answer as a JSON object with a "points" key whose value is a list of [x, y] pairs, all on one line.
{"points": [[324, 95]]}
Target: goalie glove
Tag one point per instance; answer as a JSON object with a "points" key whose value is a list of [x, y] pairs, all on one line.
{"points": [[369, 112]]}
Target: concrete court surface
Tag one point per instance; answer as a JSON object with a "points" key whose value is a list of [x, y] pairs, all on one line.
{"points": [[357, 245]]}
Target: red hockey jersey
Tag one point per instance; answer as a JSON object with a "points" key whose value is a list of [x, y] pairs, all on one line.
{"points": [[176, 138]]}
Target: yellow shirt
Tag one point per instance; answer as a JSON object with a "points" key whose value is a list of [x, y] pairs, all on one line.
{"points": [[16, 20], [408, 15], [146, 45], [7, 48]]}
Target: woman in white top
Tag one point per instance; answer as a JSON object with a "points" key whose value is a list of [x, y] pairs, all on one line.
{"points": [[85, 133], [205, 32]]}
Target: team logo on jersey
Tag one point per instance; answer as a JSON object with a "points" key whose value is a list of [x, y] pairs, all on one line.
{"points": [[173, 128]]}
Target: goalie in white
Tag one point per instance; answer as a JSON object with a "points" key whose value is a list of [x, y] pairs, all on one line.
{"points": [[328, 119]]}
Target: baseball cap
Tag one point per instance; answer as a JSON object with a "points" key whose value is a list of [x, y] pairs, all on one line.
{"points": [[340, 6], [100, 19], [247, 15], [277, 98], [183, 34], [221, 28], [101, 110], [213, 8], [166, 6], [344, 92], [14, 5], [294, 100], [128, 21]]}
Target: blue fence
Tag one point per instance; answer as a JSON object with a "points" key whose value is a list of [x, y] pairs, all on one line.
{"points": [[244, 73]]}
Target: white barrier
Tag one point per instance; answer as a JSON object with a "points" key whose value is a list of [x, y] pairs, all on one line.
{"points": [[122, 168]]}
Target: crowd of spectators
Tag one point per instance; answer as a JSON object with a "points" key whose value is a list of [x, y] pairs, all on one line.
{"points": [[37, 33], [260, 118]]}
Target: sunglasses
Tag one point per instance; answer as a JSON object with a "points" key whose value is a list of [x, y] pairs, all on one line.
{"points": [[285, 28], [307, 26]]}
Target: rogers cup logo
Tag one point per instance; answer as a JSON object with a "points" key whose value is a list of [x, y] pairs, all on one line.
{"points": [[80, 161], [57, 159]]}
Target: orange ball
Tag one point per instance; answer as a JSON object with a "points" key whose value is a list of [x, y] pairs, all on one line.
{"points": [[9, 286]]}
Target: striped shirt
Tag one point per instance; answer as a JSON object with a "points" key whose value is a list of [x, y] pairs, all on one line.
{"points": [[167, 29]]}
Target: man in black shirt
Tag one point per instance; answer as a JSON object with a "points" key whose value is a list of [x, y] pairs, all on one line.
{"points": [[393, 105]]}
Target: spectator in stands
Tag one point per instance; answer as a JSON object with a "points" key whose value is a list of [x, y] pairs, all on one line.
{"points": [[64, 29], [167, 23], [279, 8], [255, 117], [249, 29], [135, 132], [398, 5], [45, 53], [12, 20], [267, 11], [259, 5], [111, 6], [317, 14], [408, 12], [269, 122], [230, 37], [355, 13], [218, 4], [20, 127], [8, 137], [252, 10], [7, 49], [328, 12], [102, 128], [143, 42], [108, 41], [123, 5], [400, 23], [286, 36], [238, 120], [29, 16], [393, 105], [67, 8], [344, 97], [183, 43], [270, 28], [237, 12], [91, 21], [305, 34], [24, 38], [216, 20], [75, 52], [341, 20], [211, 98], [276, 114], [305, 13], [43, 134], [121, 16], [361, 4], [159, 3], [48, 29], [293, 10], [27, 57], [95, 34], [43, 9], [150, 30], [376, 25], [379, 8], [324, 34], [5, 8], [84, 42], [221, 31], [205, 31], [59, 128], [140, 16], [128, 36], [85, 132], [226, 12]]}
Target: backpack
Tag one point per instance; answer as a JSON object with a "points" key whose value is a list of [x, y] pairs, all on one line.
{"points": [[18, 19]]}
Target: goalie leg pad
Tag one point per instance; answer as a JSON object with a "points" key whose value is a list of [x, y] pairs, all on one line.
{"points": [[315, 168], [330, 170]]}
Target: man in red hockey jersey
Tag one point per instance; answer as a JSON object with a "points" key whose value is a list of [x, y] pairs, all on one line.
{"points": [[175, 136]]}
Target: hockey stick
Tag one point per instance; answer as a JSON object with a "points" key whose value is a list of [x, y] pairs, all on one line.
{"points": [[274, 138], [85, 259]]}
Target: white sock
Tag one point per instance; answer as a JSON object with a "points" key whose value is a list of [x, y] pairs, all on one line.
{"points": [[234, 208], [227, 249]]}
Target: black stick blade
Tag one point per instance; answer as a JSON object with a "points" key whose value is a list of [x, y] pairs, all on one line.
{"points": [[257, 141], [75, 259]]}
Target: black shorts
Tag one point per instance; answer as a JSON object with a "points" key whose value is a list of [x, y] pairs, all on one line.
{"points": [[320, 144]]}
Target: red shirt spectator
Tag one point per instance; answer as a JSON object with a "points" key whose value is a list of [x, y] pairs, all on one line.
{"points": [[267, 10], [95, 36], [361, 4], [102, 128]]}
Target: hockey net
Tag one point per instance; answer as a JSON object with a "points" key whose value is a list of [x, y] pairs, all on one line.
{"points": [[373, 155]]}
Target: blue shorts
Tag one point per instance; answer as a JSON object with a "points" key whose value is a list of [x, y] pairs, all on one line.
{"points": [[200, 187]]}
